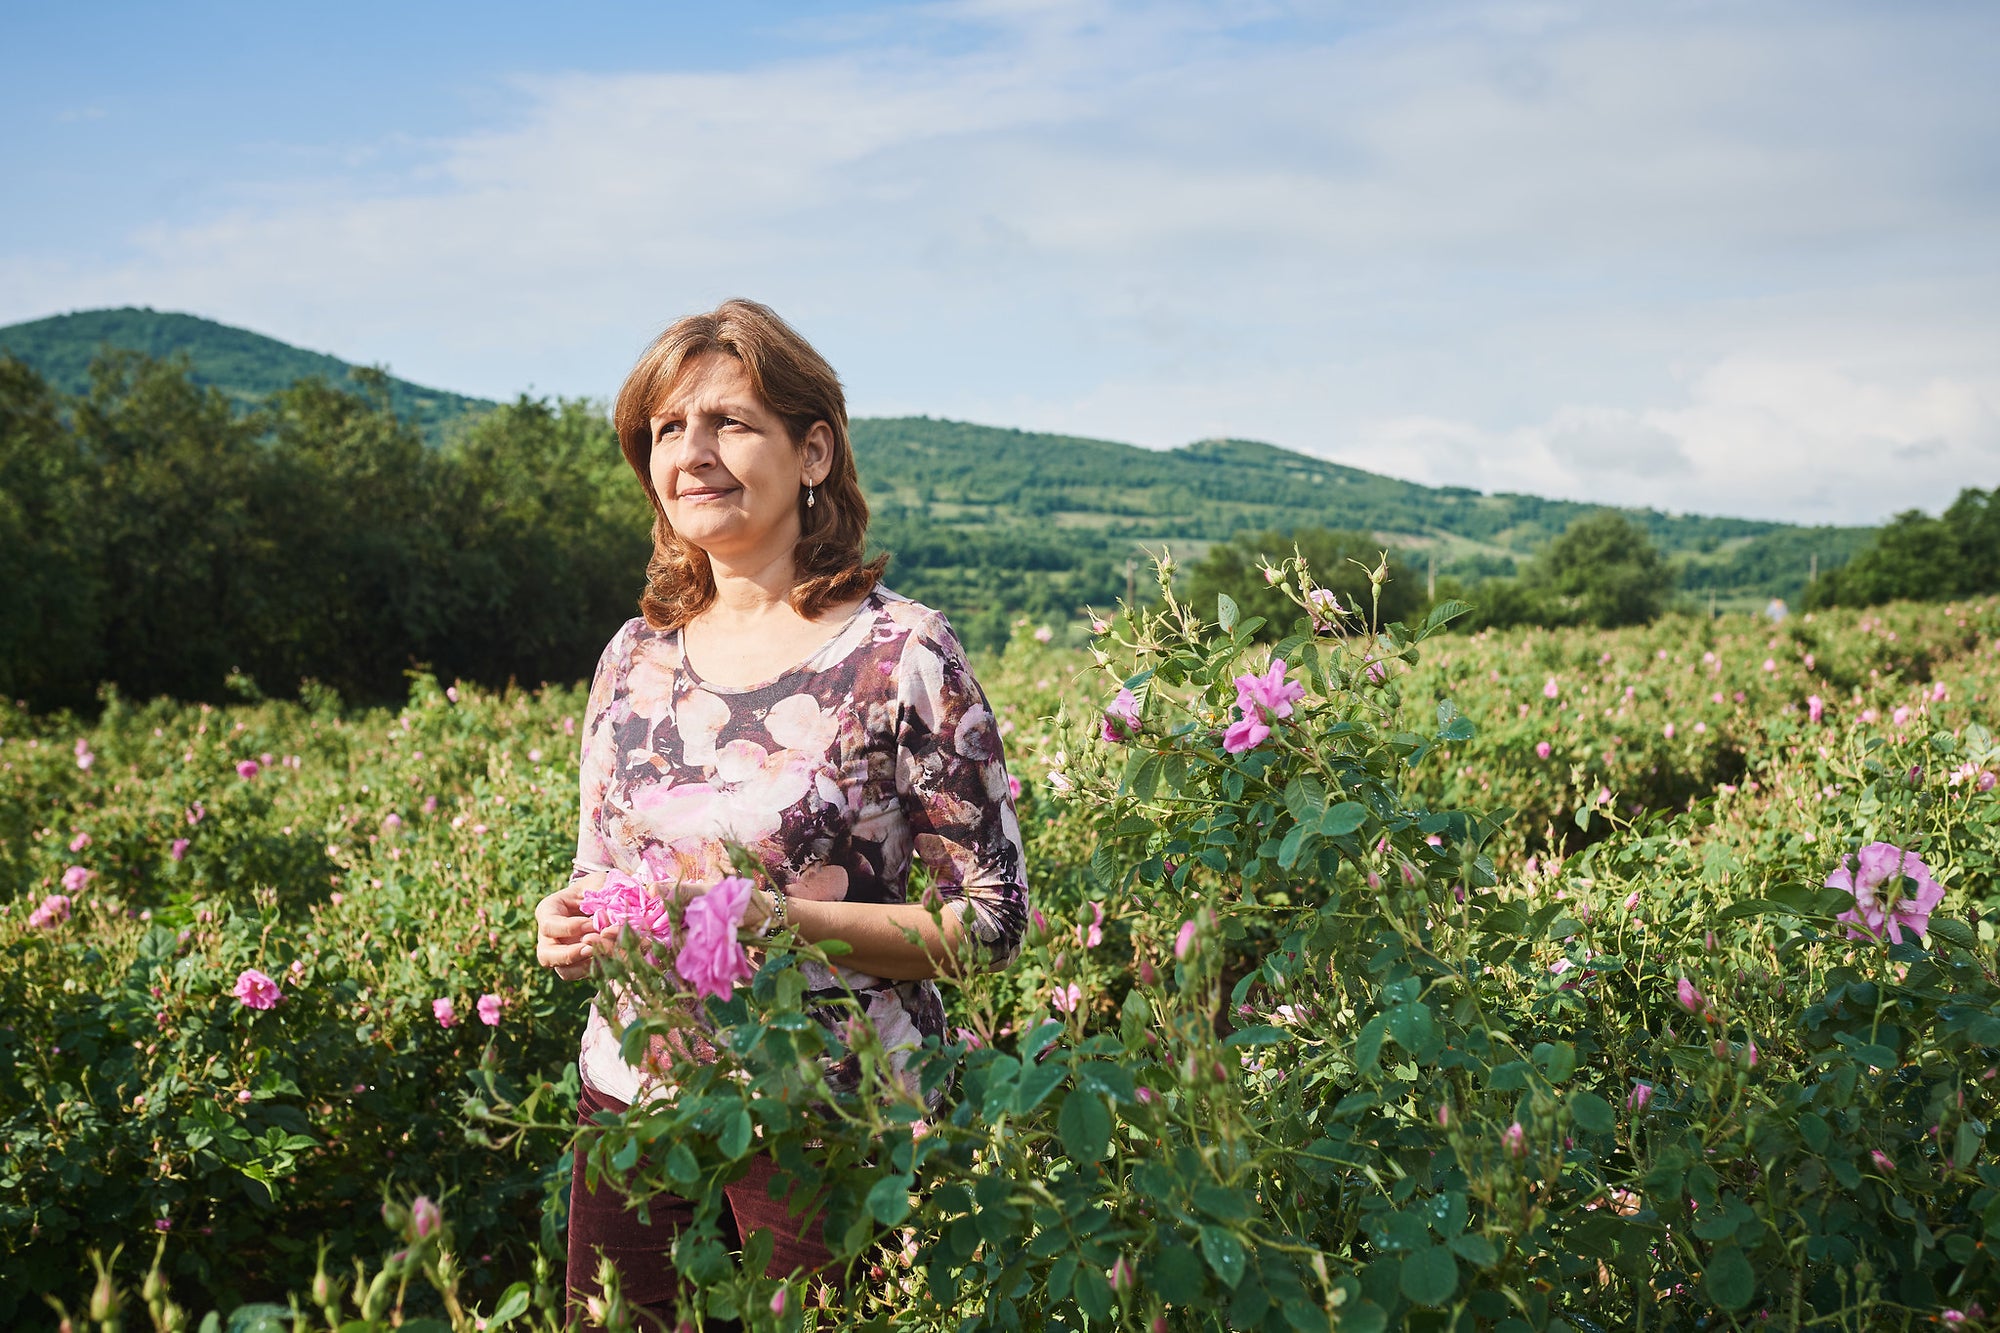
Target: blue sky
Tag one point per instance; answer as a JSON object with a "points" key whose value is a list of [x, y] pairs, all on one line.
{"points": [[1735, 258]]}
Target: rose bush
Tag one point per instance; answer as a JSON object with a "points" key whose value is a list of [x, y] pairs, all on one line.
{"points": [[1308, 1032]]}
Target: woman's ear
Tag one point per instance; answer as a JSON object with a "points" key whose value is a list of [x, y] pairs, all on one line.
{"points": [[816, 452]]}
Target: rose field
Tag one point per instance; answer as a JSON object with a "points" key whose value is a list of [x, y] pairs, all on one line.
{"points": [[1522, 980]]}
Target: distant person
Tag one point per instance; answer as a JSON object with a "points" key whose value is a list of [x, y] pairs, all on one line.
{"points": [[1775, 610], [773, 692]]}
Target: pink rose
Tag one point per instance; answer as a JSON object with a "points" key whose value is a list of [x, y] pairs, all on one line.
{"points": [[444, 1011], [489, 1010], [1551, 690], [711, 959], [54, 908], [1516, 1140], [248, 769], [1184, 941], [1879, 877], [1641, 1094], [621, 900], [1690, 998], [79, 842], [256, 990], [1121, 718], [76, 877], [1067, 998], [1270, 691], [1245, 734], [1815, 708], [179, 849], [1543, 749], [426, 1216], [1013, 787]]}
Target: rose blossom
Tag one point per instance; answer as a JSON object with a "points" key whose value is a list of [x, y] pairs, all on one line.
{"points": [[1543, 749], [1641, 1094], [1121, 718], [1184, 941], [711, 959], [619, 900], [444, 1011], [76, 877], [179, 849], [54, 908], [1690, 998], [489, 1010], [248, 769], [1551, 690], [256, 990], [1815, 708], [427, 1216], [1067, 998], [1875, 914]]}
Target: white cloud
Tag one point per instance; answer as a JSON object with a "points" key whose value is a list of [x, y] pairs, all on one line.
{"points": [[1716, 258]]}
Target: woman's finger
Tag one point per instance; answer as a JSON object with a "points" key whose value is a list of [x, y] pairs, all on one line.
{"points": [[566, 929]]}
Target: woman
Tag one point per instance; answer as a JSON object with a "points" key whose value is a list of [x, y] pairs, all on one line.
{"points": [[775, 696]]}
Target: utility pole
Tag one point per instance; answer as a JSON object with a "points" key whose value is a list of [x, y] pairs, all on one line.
{"points": [[1431, 587], [1128, 580], [1812, 570]]}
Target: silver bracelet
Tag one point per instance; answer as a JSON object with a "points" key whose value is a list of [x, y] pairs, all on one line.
{"points": [[775, 922]]}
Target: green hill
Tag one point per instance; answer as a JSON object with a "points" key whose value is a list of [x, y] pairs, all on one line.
{"points": [[985, 517], [244, 365]]}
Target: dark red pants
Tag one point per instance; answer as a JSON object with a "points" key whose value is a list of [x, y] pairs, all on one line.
{"points": [[600, 1224]]}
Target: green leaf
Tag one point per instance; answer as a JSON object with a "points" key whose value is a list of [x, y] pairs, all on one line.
{"points": [[1430, 1275], [1224, 1254], [513, 1303], [1591, 1112], [1225, 612], [1443, 613], [1036, 1083], [1259, 1034], [889, 1201], [1110, 1079], [1288, 850], [1104, 866], [1475, 1249], [1368, 1046], [1085, 1127], [1750, 907], [1557, 1059], [1040, 1040], [735, 1137], [681, 1165], [1342, 819], [1955, 932], [1730, 1281]]}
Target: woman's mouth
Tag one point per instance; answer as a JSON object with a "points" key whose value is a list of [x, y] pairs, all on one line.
{"points": [[703, 494]]}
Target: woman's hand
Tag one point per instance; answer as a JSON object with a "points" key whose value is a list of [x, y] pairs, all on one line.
{"points": [[565, 939]]}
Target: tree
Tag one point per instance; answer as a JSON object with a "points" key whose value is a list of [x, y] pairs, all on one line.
{"points": [[1603, 571], [1920, 558], [1232, 567]]}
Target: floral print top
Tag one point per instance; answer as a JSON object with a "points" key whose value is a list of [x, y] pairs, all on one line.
{"points": [[878, 747]]}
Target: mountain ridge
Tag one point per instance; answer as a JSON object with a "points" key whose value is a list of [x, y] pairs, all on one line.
{"points": [[962, 492]]}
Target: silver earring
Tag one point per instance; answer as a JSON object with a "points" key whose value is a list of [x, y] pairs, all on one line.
{"points": [[809, 495]]}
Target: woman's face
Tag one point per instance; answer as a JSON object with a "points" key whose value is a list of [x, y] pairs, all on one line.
{"points": [[726, 469]]}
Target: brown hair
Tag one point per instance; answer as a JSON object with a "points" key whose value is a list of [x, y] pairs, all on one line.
{"points": [[795, 383]]}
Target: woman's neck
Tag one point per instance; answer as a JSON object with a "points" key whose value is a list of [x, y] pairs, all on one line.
{"points": [[751, 594]]}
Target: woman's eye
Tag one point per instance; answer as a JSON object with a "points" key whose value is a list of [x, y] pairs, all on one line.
{"points": [[671, 428], [728, 421]]}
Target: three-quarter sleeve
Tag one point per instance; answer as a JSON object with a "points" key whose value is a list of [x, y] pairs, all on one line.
{"points": [[598, 762], [951, 781]]}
